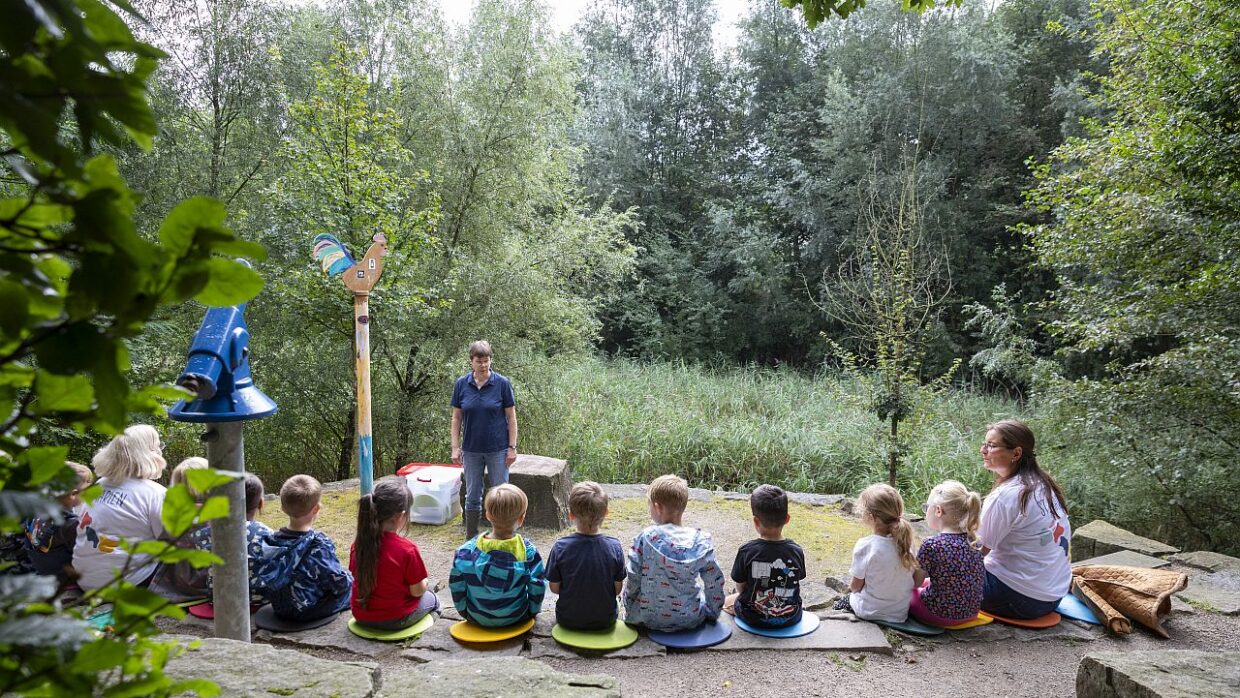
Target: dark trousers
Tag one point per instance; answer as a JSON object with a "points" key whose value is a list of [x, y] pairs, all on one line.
{"points": [[1000, 599]]}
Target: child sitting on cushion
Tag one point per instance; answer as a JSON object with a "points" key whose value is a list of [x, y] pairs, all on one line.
{"points": [[585, 568], [673, 581], [497, 577], [768, 570]]}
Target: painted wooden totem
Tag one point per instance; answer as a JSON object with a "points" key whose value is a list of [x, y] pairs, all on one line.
{"points": [[359, 277]]}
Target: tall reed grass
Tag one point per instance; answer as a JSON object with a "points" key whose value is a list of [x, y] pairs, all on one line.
{"points": [[622, 421]]}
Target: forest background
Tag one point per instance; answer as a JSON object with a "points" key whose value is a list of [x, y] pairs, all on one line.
{"points": [[674, 247]]}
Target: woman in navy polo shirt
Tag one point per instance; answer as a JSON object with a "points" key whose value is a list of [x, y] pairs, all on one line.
{"points": [[484, 407]]}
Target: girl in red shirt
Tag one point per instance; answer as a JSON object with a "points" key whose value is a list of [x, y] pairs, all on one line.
{"points": [[390, 587]]}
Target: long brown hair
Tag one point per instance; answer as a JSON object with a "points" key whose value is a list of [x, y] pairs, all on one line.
{"points": [[883, 503], [1017, 434], [390, 497]]}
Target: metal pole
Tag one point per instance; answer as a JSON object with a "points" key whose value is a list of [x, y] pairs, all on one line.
{"points": [[231, 580], [361, 340]]}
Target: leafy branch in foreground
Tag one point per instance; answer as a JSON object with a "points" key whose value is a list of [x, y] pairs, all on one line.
{"points": [[77, 280]]}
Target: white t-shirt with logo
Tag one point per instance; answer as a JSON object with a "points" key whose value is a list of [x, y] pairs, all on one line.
{"points": [[888, 584], [128, 510], [1028, 549]]}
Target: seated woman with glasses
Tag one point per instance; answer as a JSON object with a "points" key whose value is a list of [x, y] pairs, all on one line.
{"points": [[1024, 529], [128, 509]]}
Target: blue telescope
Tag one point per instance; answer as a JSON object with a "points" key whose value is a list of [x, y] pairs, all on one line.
{"points": [[218, 372]]}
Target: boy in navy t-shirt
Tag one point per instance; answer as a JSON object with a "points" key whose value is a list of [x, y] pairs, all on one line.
{"points": [[586, 569], [768, 571]]}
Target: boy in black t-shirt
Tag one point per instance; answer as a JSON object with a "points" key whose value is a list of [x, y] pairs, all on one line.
{"points": [[768, 570], [586, 569]]}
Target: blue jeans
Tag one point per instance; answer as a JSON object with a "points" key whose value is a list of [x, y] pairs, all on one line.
{"points": [[477, 465], [1000, 599]]}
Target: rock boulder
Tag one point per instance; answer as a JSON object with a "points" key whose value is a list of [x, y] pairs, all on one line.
{"points": [[1159, 674], [1098, 538], [546, 482], [509, 676]]}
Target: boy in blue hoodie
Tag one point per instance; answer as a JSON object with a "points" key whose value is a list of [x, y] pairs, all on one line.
{"points": [[297, 568], [673, 582], [497, 577]]}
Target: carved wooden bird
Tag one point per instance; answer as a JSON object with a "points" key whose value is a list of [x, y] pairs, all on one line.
{"points": [[359, 277]]}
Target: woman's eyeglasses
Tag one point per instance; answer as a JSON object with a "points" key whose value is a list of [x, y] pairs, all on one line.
{"points": [[987, 446]]}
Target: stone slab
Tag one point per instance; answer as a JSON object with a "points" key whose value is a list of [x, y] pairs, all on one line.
{"points": [[638, 491], [437, 644], [998, 632], [546, 648], [815, 596], [808, 499], [1125, 558], [832, 635], [1210, 598], [1159, 674], [247, 670], [336, 636], [509, 676], [1179, 606], [1206, 560], [1226, 579], [1098, 538]]}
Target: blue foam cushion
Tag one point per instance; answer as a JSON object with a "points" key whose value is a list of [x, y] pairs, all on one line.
{"points": [[1072, 607], [913, 627], [808, 624], [705, 635]]}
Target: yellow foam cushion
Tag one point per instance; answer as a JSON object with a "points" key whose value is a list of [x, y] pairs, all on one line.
{"points": [[467, 631], [981, 619]]}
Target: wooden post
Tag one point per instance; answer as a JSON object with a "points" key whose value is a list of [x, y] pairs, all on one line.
{"points": [[360, 278], [361, 342]]}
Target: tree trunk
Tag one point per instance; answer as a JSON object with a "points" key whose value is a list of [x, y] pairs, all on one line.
{"points": [[893, 451], [344, 465]]}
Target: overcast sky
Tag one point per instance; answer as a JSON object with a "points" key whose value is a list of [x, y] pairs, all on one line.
{"points": [[567, 12]]}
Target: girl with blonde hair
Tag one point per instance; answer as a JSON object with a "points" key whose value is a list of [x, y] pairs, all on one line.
{"points": [[883, 564], [951, 560], [128, 509]]}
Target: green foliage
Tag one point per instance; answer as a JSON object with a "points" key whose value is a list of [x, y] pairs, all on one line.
{"points": [[1010, 357], [78, 282], [624, 421], [1143, 217], [887, 293], [816, 11]]}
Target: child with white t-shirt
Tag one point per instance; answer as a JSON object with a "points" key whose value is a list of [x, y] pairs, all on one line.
{"points": [[883, 566], [1024, 529], [128, 509]]}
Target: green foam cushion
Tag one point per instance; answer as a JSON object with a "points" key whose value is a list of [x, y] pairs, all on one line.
{"points": [[912, 627], [618, 637], [392, 635]]}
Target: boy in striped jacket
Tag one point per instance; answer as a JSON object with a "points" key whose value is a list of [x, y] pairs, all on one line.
{"points": [[497, 577]]}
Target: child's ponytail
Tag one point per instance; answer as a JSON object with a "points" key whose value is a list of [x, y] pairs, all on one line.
{"points": [[902, 534], [973, 518], [390, 497], [883, 504], [366, 548], [962, 508]]}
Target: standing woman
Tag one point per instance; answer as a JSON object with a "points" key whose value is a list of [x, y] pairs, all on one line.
{"points": [[1024, 530], [483, 406]]}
